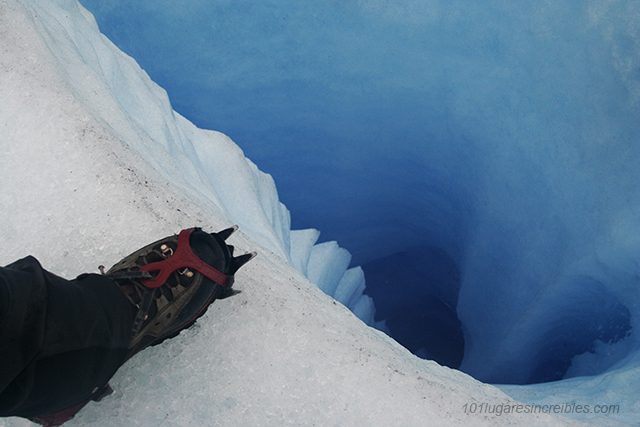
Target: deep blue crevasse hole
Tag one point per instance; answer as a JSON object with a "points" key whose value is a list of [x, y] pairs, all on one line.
{"points": [[416, 294]]}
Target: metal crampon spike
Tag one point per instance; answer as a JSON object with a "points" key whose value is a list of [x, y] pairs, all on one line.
{"points": [[224, 234], [239, 261]]}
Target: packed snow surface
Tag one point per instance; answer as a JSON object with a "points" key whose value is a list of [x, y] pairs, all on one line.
{"points": [[95, 163]]}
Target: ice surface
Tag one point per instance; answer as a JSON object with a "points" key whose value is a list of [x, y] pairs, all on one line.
{"points": [[210, 164], [94, 163]]}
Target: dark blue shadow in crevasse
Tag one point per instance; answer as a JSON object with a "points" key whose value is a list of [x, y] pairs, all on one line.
{"points": [[416, 292]]}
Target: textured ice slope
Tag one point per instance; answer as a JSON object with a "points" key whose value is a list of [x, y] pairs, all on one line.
{"points": [[94, 163], [208, 163]]}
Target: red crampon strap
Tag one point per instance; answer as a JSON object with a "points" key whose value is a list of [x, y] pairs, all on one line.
{"points": [[183, 257]]}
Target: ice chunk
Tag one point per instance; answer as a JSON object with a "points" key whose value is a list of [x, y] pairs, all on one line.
{"points": [[302, 242], [327, 264], [351, 286]]}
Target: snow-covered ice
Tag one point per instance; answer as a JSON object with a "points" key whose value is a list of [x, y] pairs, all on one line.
{"points": [[94, 163]]}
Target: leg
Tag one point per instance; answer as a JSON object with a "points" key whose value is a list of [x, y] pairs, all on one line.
{"points": [[60, 340]]}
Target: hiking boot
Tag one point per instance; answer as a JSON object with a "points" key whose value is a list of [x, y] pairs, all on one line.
{"points": [[172, 282]]}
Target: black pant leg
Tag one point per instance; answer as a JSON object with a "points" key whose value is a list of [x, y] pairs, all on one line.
{"points": [[60, 340]]}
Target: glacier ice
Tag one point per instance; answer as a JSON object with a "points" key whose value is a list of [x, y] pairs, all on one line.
{"points": [[301, 243], [352, 281], [327, 254], [504, 135], [210, 162], [92, 155]]}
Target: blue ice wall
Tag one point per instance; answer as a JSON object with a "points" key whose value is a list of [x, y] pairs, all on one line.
{"points": [[503, 133]]}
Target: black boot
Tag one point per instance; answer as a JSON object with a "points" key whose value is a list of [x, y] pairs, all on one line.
{"points": [[173, 281]]}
